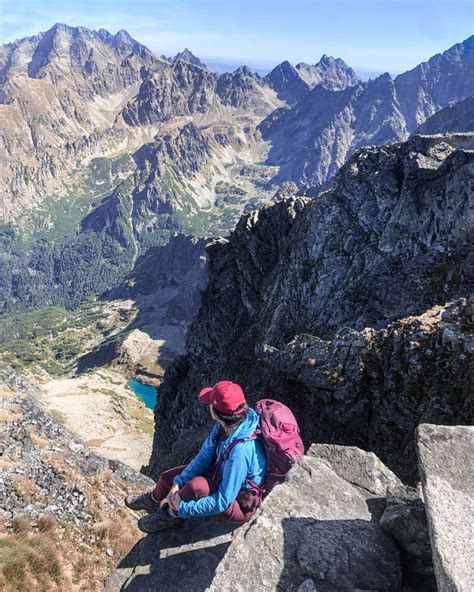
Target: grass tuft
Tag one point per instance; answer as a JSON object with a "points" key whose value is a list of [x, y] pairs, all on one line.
{"points": [[29, 563]]}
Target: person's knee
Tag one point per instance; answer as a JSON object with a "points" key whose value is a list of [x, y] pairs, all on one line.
{"points": [[196, 488]]}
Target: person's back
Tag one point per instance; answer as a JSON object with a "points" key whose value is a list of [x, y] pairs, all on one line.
{"points": [[225, 478]]}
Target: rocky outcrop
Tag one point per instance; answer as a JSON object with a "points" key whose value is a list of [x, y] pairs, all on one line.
{"points": [[352, 307], [405, 519], [180, 89], [316, 531], [446, 464]]}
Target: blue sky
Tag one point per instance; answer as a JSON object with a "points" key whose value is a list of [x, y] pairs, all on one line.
{"points": [[374, 35]]}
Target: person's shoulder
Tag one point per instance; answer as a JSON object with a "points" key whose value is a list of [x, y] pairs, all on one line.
{"points": [[244, 448]]}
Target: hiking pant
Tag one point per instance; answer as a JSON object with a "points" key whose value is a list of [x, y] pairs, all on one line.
{"points": [[196, 488]]}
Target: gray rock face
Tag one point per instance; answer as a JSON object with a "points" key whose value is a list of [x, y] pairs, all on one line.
{"points": [[338, 555], [446, 456], [175, 560], [182, 89], [360, 468], [455, 118], [405, 519], [352, 308], [425, 89], [314, 530], [287, 82]]}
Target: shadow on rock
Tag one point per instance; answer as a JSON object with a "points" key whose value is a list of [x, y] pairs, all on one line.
{"points": [[181, 559], [338, 555]]}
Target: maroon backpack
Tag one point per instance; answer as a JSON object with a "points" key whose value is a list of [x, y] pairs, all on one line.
{"points": [[279, 431]]}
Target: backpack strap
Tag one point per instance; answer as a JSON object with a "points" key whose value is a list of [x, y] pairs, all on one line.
{"points": [[224, 455]]}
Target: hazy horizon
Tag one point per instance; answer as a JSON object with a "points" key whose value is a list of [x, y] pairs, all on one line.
{"points": [[265, 33]]}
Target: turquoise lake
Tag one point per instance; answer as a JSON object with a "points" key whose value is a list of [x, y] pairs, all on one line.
{"points": [[148, 394]]}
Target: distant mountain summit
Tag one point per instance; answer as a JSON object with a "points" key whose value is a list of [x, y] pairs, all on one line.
{"points": [[188, 56], [332, 73], [291, 83]]}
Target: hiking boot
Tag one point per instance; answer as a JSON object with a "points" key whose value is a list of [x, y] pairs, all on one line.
{"points": [[159, 520], [142, 502]]}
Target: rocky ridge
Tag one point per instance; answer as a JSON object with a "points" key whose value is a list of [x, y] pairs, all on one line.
{"points": [[117, 85], [353, 307], [142, 148], [314, 138]]}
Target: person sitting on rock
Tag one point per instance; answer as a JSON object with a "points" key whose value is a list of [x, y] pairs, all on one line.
{"points": [[224, 479]]}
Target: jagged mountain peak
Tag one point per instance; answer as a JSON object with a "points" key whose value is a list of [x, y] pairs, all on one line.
{"points": [[245, 71], [291, 83], [444, 76], [187, 56], [285, 66], [327, 59], [63, 50], [335, 73], [123, 35], [287, 82]]}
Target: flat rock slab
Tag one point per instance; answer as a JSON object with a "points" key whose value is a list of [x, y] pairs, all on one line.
{"points": [[181, 560], [446, 456]]}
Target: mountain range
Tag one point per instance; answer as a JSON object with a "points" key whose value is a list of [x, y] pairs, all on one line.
{"points": [[109, 149]]}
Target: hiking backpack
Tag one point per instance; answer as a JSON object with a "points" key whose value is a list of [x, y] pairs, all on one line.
{"points": [[279, 432]]}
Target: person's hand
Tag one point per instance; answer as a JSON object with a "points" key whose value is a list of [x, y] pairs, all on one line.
{"points": [[174, 504], [174, 489]]}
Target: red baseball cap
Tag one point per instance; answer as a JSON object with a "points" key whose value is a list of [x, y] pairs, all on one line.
{"points": [[227, 397]]}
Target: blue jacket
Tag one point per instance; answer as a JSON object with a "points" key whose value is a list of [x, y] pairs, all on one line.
{"points": [[247, 460]]}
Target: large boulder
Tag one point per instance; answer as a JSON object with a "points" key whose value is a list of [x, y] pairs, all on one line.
{"points": [[446, 458], [316, 531], [359, 467]]}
